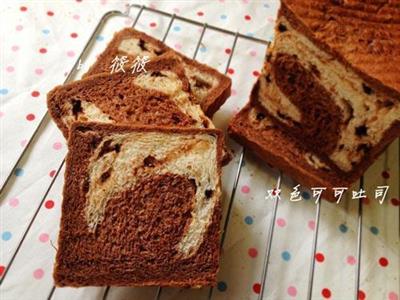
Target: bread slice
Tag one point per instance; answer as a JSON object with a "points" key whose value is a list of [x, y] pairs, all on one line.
{"points": [[141, 206], [254, 129], [160, 96], [209, 87], [324, 82]]}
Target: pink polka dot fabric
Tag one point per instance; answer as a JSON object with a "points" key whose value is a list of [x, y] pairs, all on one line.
{"points": [[44, 40]]}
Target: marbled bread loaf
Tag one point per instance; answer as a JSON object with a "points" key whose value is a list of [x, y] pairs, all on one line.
{"points": [[331, 81], [141, 206], [209, 87], [323, 79]]}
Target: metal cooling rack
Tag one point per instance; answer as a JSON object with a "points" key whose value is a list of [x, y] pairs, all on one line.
{"points": [[237, 36]]}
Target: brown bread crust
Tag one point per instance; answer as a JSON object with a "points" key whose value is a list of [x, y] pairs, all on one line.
{"points": [[364, 36], [134, 244], [215, 97]]}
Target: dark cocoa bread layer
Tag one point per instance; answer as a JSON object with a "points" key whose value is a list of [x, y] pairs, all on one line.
{"points": [[362, 35], [320, 116], [209, 87], [134, 213]]}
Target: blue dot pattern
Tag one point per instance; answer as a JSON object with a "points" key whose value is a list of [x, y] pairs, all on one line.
{"points": [[248, 220], [343, 228], [3, 91], [46, 31], [223, 17], [221, 286], [305, 195], [286, 255], [177, 28], [374, 230], [6, 235], [19, 172], [99, 38]]}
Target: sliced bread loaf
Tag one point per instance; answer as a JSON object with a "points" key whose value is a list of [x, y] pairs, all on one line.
{"points": [[209, 87], [141, 206], [316, 87], [325, 84]]}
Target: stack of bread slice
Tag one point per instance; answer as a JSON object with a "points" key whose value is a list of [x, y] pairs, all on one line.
{"points": [[141, 200], [328, 100]]}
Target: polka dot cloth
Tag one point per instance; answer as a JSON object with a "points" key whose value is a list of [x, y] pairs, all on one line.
{"points": [[52, 36]]}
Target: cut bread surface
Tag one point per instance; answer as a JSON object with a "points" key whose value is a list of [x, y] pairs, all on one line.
{"points": [[141, 206], [255, 129], [209, 87], [320, 99], [159, 96]]}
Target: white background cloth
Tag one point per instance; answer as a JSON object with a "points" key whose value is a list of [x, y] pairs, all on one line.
{"points": [[40, 42]]}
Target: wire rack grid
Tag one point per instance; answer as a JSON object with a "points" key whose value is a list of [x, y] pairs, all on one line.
{"points": [[269, 226]]}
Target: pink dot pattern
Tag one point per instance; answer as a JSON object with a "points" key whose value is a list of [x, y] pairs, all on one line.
{"points": [[351, 260], [292, 291], [281, 222], [311, 224], [393, 296], [38, 274], [57, 146], [44, 237], [245, 189], [13, 202]]}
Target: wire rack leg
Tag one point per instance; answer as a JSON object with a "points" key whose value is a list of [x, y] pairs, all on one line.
{"points": [[314, 250], [269, 239], [227, 218], [53, 288], [106, 291], [158, 293], [238, 171], [359, 238]]}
